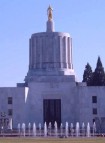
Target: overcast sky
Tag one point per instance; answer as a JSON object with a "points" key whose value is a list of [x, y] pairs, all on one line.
{"points": [[83, 19]]}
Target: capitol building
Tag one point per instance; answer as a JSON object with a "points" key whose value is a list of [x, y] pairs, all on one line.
{"points": [[51, 91]]}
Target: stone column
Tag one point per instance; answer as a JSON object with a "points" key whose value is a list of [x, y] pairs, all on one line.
{"points": [[43, 52], [31, 53], [57, 52], [41, 45], [40, 51], [61, 53], [34, 53], [71, 52], [66, 52]]}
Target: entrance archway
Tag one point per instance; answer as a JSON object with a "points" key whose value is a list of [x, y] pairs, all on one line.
{"points": [[52, 111]]}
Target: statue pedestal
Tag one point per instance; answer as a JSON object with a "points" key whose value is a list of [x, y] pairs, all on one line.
{"points": [[50, 26]]}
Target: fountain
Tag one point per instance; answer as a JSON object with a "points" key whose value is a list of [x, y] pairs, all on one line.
{"points": [[55, 129], [23, 129], [18, 128], [61, 129], [45, 129], [88, 130], [94, 128], [34, 129], [66, 129], [29, 129], [77, 129], [85, 130]]}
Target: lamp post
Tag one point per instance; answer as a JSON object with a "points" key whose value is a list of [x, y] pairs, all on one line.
{"points": [[3, 121]]}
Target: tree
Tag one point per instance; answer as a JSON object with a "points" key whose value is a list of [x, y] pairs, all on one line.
{"points": [[99, 74], [88, 75]]}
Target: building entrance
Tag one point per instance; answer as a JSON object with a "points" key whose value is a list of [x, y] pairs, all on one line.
{"points": [[52, 111]]}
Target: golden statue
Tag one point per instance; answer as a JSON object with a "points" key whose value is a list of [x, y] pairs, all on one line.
{"points": [[49, 13]]}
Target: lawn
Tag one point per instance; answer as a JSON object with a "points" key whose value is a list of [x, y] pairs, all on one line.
{"points": [[52, 140]]}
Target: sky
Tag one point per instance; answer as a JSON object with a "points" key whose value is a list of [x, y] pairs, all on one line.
{"points": [[84, 20]]}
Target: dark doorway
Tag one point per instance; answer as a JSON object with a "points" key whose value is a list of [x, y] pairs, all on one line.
{"points": [[52, 111]]}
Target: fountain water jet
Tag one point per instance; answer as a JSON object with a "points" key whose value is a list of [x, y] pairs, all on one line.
{"points": [[39, 129], [45, 129], [88, 130], [66, 129], [61, 129], [71, 129], [83, 129], [77, 129], [23, 129], [56, 129], [29, 129], [34, 129], [94, 128], [18, 128]]}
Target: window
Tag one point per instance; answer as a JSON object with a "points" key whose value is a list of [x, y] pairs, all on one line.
{"points": [[94, 111], [93, 120], [9, 100], [94, 99], [10, 112]]}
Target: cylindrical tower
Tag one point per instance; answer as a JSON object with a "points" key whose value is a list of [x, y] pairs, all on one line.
{"points": [[50, 53]]}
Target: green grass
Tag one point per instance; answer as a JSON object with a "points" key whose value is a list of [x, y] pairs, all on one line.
{"points": [[52, 140]]}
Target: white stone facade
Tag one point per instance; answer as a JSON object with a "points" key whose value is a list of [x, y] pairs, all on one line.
{"points": [[51, 79]]}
